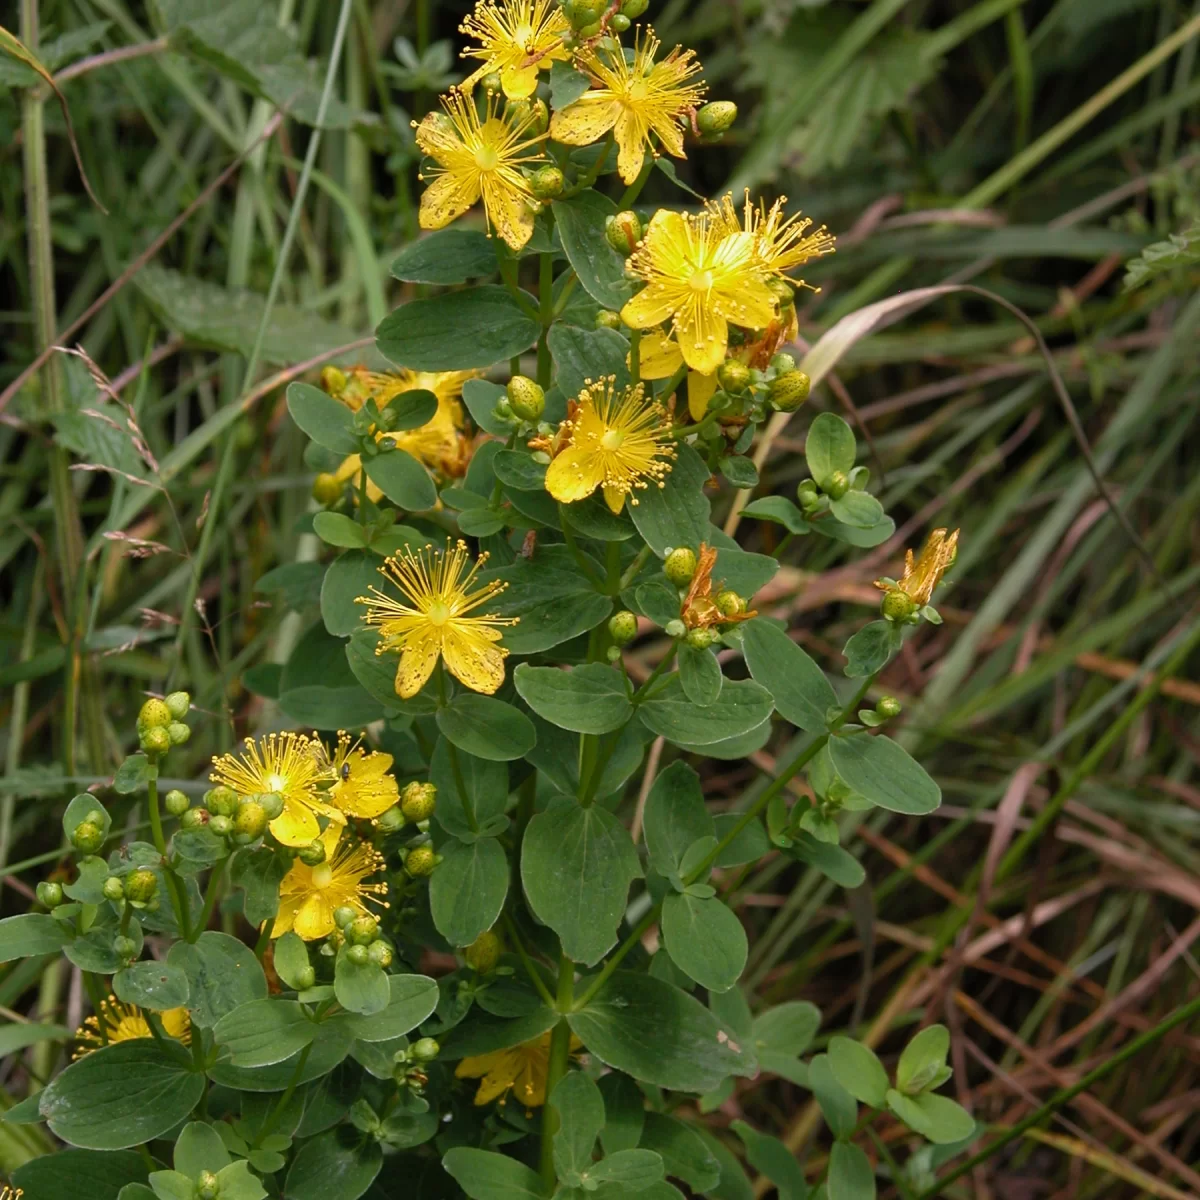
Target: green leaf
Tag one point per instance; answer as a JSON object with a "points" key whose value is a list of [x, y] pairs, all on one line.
{"points": [[870, 649], [402, 480], [882, 771], [937, 1118], [625, 1172], [411, 999], [486, 728], [29, 934], [749, 845], [446, 257], [199, 1148], [517, 469], [291, 959], [481, 397], [780, 510], [684, 1153], [864, 539], [921, 1060], [375, 673], [72, 1173], [487, 789], [580, 1109], [337, 529], [467, 891], [258, 873], [739, 470], [576, 867], [601, 270], [131, 775], [657, 600], [658, 1034], [88, 887], [829, 447], [300, 583], [787, 1029], [587, 355], [700, 675], [338, 1163], [850, 1175], [858, 1069], [838, 863], [82, 808], [348, 577], [318, 688], [154, 985], [624, 1112], [742, 706], [566, 85], [17, 1036], [859, 509], [330, 1045], [1179, 250], [801, 692], [705, 940], [770, 1157], [360, 987], [592, 698], [481, 522], [675, 818], [677, 513], [475, 327], [122, 1095], [837, 1105], [328, 422], [484, 1175], [262, 1032]]}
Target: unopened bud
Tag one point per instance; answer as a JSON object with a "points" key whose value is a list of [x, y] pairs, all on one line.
{"points": [[546, 183], [622, 627], [680, 565], [333, 380], [836, 485], [634, 8], [733, 376], [362, 931], [391, 820], [178, 732], [155, 740], [418, 800], [788, 391], [272, 804], [807, 494], [623, 231], [113, 889], [304, 978], [49, 893], [897, 605], [176, 803], [607, 319], [152, 714], [358, 955], [619, 22], [326, 489], [716, 118], [344, 914], [783, 362], [483, 953], [527, 398], [889, 707], [178, 704], [221, 800], [702, 639], [425, 1049], [312, 855], [784, 292], [675, 628], [124, 947], [195, 818], [420, 861], [490, 83], [380, 953], [250, 820], [140, 885], [207, 1186], [221, 826], [729, 603], [88, 837]]}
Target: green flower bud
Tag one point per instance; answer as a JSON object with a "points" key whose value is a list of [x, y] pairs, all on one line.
{"points": [[808, 495], [623, 232], [729, 603], [701, 639], [585, 13], [391, 820], [325, 489], [420, 861], [491, 81], [785, 293], [782, 363], [344, 914], [50, 894], [788, 391], [358, 955], [503, 410], [680, 565], [250, 820], [153, 713], [140, 885], [418, 800], [380, 953], [527, 398], [221, 826], [622, 627], [733, 376], [619, 23], [178, 732], [333, 380], [155, 740], [425, 1049], [483, 953], [113, 888], [634, 8], [889, 707], [207, 1186], [124, 947], [362, 931], [272, 804], [305, 978], [221, 800], [897, 605], [546, 183], [178, 704], [386, 443], [716, 117], [88, 837], [312, 855], [837, 485], [195, 818], [607, 319], [176, 803], [613, 654], [675, 629]]}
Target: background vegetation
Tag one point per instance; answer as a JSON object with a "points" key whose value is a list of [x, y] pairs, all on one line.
{"points": [[1034, 148]]}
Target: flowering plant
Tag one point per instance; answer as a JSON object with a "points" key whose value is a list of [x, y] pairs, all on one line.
{"points": [[484, 941]]}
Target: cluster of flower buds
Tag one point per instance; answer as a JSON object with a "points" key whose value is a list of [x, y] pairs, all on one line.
{"points": [[591, 18], [814, 495], [241, 819], [409, 1070], [361, 936], [418, 800], [701, 621], [160, 724]]}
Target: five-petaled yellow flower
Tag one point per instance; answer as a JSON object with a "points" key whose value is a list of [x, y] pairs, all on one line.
{"points": [[639, 101], [924, 573], [703, 279], [437, 619], [119, 1022], [309, 895], [612, 439], [780, 243], [479, 157], [519, 1069], [519, 38], [294, 767], [363, 784]]}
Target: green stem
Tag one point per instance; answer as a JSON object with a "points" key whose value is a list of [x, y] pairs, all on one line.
{"points": [[545, 316], [572, 545], [639, 561], [210, 897], [514, 936], [634, 190], [663, 663], [673, 383], [556, 1068], [277, 1112], [593, 172], [178, 896], [635, 356], [460, 782]]}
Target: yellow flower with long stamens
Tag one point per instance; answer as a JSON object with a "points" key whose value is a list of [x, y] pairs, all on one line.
{"points": [[923, 573], [518, 39], [780, 243], [294, 767], [703, 279], [612, 439], [519, 1069], [640, 101], [309, 895], [478, 158], [119, 1022], [436, 619], [363, 784]]}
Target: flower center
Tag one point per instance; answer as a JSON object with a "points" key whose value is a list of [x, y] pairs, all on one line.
{"points": [[486, 158], [611, 440], [439, 612], [701, 281], [322, 875], [636, 91], [276, 783]]}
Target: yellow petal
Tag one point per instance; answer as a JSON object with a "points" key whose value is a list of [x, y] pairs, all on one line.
{"points": [[659, 356], [475, 1066], [295, 826], [631, 134], [314, 920], [585, 121], [473, 660], [700, 392], [651, 306], [508, 209], [519, 83], [444, 199], [614, 498], [574, 474], [703, 337], [286, 916], [417, 661]]}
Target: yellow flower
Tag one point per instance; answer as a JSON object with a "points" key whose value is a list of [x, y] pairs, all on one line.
{"points": [[290, 765], [612, 439], [478, 157], [308, 895], [704, 280], [436, 621], [363, 786], [118, 1022], [520, 38], [519, 1069], [780, 244], [925, 573], [639, 101], [660, 357]]}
